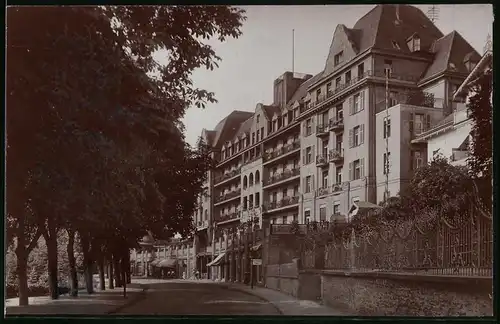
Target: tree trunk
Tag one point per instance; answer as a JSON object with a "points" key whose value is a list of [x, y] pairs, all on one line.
{"points": [[51, 241], [111, 274], [87, 264], [118, 272], [22, 275], [72, 263], [102, 283], [129, 269]]}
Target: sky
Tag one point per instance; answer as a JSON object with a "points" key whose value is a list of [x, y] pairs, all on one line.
{"points": [[251, 63]]}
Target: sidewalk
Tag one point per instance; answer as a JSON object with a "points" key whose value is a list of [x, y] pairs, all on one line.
{"points": [[98, 303], [286, 304]]}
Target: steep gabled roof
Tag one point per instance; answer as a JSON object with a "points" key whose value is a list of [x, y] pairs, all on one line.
{"points": [[270, 110], [302, 90], [227, 128], [245, 126], [449, 53]]}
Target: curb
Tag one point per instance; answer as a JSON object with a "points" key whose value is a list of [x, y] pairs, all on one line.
{"points": [[236, 288], [141, 296]]}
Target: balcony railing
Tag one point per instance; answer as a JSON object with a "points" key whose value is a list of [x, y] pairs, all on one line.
{"points": [[228, 175], [322, 191], [252, 159], [336, 124], [322, 130], [228, 217], [321, 160], [287, 201], [281, 151], [229, 195], [287, 174], [337, 187], [336, 156]]}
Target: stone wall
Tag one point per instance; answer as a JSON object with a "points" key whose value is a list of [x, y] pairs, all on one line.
{"points": [[386, 294]]}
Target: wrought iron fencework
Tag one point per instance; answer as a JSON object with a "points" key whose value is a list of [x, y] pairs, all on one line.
{"points": [[434, 246]]}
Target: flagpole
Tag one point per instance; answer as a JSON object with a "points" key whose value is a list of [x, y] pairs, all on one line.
{"points": [[293, 50]]}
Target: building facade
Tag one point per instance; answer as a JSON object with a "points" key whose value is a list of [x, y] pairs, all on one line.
{"points": [[345, 135]]}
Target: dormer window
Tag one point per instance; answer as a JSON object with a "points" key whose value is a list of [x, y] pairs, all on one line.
{"points": [[337, 59], [470, 64], [258, 119], [414, 43], [395, 45]]}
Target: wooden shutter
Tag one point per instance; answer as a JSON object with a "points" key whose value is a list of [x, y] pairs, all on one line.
{"points": [[362, 134], [350, 171], [361, 100], [351, 106], [312, 154], [313, 130], [362, 167], [427, 122], [312, 183], [350, 138], [304, 157]]}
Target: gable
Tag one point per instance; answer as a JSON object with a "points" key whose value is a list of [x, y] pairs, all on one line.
{"points": [[341, 42]]}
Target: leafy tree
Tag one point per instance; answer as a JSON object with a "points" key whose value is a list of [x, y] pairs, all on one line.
{"points": [[480, 111], [104, 133]]}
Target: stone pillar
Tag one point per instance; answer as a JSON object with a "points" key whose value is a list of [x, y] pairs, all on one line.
{"points": [[226, 257], [238, 258]]}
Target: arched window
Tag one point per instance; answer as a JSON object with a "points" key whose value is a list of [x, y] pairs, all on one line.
{"points": [[206, 214], [250, 179], [245, 182], [257, 176]]}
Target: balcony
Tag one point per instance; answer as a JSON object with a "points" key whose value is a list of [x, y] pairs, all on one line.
{"points": [[322, 191], [228, 197], [337, 188], [336, 124], [227, 218], [228, 176], [281, 152], [282, 204], [277, 178], [252, 159], [336, 156], [322, 130], [321, 160]]}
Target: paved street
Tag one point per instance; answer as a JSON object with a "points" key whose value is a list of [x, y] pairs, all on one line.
{"points": [[198, 298]]}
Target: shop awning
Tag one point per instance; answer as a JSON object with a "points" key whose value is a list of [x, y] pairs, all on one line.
{"points": [[256, 247], [167, 263], [154, 263], [217, 260]]}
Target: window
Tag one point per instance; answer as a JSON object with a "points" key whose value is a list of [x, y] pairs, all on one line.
{"points": [[295, 217], [356, 136], [284, 219], [348, 77], [395, 44], [328, 87], [387, 158], [325, 179], [338, 175], [250, 180], [308, 127], [274, 221], [416, 43], [257, 176], [275, 196], [253, 138], [337, 82], [418, 160], [258, 119], [336, 208], [356, 169], [308, 184], [361, 70], [337, 59], [387, 127], [250, 201], [322, 213], [262, 132], [295, 191], [356, 103], [247, 141], [419, 123], [245, 203], [318, 93], [387, 67], [206, 214], [325, 148], [324, 118], [307, 215], [338, 142], [284, 193], [393, 98], [309, 156], [257, 199], [258, 133], [245, 182]]}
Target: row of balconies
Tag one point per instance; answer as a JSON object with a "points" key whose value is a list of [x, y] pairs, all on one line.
{"points": [[287, 174], [286, 201], [228, 196], [226, 217], [252, 159], [335, 188], [227, 175], [281, 151], [334, 124], [335, 156]]}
